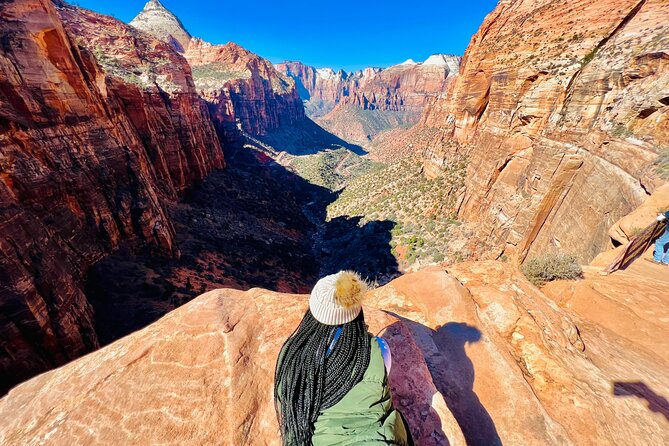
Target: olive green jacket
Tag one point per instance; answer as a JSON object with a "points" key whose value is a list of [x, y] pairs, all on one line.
{"points": [[365, 415]]}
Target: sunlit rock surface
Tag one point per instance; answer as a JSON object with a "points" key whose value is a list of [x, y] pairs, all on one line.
{"points": [[480, 357], [561, 109]]}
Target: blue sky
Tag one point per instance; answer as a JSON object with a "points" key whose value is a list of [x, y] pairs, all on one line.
{"points": [[349, 35]]}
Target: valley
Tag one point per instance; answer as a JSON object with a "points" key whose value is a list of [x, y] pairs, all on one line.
{"points": [[234, 229]]}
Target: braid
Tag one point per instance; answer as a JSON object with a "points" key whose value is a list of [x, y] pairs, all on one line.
{"points": [[307, 381]]}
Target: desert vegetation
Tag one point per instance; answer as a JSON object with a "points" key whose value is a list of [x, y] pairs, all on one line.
{"points": [[543, 269], [420, 208], [332, 169], [361, 126], [662, 163], [218, 72]]}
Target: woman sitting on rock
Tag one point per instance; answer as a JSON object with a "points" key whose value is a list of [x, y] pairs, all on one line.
{"points": [[331, 379]]}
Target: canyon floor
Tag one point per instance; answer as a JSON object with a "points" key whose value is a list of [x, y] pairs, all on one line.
{"points": [[256, 224]]}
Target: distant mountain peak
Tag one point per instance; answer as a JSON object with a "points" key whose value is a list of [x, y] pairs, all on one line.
{"points": [[154, 4], [437, 59], [161, 23], [452, 63]]}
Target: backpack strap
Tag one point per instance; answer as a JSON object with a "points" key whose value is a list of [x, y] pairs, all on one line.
{"points": [[334, 341], [385, 352], [383, 345]]}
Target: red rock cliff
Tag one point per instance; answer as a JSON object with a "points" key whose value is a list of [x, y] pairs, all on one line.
{"points": [[359, 106], [90, 149], [243, 90], [408, 86], [562, 109]]}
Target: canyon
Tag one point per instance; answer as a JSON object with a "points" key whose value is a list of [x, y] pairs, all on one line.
{"points": [[106, 131], [560, 109], [166, 204], [94, 142]]}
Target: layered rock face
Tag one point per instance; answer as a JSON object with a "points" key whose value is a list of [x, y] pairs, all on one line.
{"points": [[561, 109], [156, 87], [320, 88], [90, 149], [359, 106], [480, 357], [408, 86], [244, 91], [159, 21]]}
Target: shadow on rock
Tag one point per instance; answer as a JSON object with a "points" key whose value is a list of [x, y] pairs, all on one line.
{"points": [[412, 389], [656, 403], [453, 374], [307, 137]]}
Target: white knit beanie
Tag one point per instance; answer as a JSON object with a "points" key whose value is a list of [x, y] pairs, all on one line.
{"points": [[337, 299]]}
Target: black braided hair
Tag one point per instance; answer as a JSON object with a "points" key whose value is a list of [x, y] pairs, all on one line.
{"points": [[306, 381]]}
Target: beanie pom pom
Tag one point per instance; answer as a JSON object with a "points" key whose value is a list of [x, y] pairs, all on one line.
{"points": [[350, 289]]}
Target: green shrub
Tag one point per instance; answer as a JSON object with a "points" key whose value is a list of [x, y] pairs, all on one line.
{"points": [[438, 257], [620, 131], [588, 57], [540, 270]]}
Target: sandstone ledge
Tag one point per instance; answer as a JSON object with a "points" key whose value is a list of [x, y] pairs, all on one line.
{"points": [[480, 357]]}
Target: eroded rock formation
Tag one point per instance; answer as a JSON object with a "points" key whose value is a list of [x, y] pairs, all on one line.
{"points": [[160, 22], [360, 105], [480, 357], [561, 109], [99, 125], [642, 217], [244, 91], [405, 87]]}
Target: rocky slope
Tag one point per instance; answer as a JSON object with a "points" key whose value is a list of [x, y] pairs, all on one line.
{"points": [[93, 142], [562, 111], [423, 232], [480, 357], [244, 91]]}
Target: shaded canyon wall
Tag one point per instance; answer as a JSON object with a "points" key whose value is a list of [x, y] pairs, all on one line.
{"points": [[100, 125]]}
